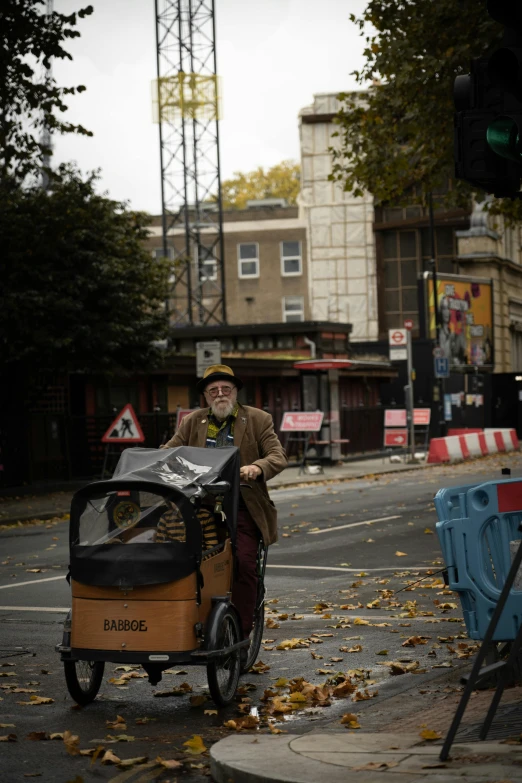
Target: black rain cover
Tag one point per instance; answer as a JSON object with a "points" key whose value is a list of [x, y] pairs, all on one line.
{"points": [[174, 473]]}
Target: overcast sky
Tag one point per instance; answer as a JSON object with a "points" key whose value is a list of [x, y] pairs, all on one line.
{"points": [[272, 56]]}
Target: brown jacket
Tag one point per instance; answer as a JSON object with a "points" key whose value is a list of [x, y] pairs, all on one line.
{"points": [[258, 445]]}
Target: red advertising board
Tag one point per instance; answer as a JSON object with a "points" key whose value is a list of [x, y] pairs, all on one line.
{"points": [[421, 416], [396, 437], [301, 421], [181, 415], [395, 418]]}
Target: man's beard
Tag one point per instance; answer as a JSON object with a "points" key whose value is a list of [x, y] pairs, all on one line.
{"points": [[222, 411]]}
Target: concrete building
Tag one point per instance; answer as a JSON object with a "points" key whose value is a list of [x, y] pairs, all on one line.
{"points": [[342, 273], [266, 272]]}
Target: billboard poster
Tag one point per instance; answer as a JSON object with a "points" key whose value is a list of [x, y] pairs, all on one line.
{"points": [[465, 308]]}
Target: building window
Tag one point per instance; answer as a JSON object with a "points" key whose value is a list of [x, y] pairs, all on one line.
{"points": [[291, 259], [248, 259], [293, 308], [209, 270], [158, 253], [406, 254]]}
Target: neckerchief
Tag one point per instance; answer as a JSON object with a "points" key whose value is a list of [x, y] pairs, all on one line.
{"points": [[221, 433]]}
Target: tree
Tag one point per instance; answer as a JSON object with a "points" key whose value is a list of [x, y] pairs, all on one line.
{"points": [[280, 181], [81, 293], [399, 131], [29, 98]]}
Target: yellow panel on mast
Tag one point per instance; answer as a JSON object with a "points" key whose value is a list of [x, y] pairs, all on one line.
{"points": [[186, 95]]}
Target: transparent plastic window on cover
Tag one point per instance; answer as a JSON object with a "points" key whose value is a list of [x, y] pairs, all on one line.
{"points": [[130, 517]]}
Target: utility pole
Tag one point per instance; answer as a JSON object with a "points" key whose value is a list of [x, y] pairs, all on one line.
{"points": [[433, 269]]}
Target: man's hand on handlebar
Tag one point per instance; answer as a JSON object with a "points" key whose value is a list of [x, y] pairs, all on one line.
{"points": [[250, 472]]}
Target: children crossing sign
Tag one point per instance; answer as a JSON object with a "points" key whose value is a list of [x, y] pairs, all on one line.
{"points": [[125, 428]]}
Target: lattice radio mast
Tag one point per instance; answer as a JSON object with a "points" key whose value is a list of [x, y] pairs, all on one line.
{"points": [[186, 102]]}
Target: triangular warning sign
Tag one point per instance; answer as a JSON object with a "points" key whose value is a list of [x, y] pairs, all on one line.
{"points": [[125, 428]]}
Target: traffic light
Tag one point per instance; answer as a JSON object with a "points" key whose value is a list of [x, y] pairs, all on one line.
{"points": [[488, 118]]}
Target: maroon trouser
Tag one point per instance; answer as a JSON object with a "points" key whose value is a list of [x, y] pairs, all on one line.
{"points": [[244, 589]]}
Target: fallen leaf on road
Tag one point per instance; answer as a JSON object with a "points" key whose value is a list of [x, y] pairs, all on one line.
{"points": [[371, 765], [71, 742], [168, 763], [210, 712], [126, 763], [110, 758], [360, 621], [428, 734], [120, 738], [428, 531], [281, 682], [37, 700], [57, 735], [350, 720], [336, 660], [414, 640], [9, 738], [271, 623], [273, 729], [195, 745], [38, 735], [7, 725], [292, 644], [260, 668], [143, 721], [382, 652], [119, 723], [400, 554]]}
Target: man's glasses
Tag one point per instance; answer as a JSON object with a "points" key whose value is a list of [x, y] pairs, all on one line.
{"points": [[226, 391]]}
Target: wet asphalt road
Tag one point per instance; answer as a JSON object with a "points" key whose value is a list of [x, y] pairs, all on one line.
{"points": [[338, 548]]}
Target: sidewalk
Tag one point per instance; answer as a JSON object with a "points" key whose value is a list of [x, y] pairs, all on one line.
{"points": [[388, 746], [365, 758], [56, 504]]}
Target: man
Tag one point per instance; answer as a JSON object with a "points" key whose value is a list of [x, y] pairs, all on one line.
{"points": [[227, 423]]}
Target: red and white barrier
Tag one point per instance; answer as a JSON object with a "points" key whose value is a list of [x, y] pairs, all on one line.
{"points": [[456, 448]]}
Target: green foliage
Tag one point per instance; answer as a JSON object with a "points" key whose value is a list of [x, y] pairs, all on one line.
{"points": [[80, 291], [29, 100], [399, 132], [280, 181]]}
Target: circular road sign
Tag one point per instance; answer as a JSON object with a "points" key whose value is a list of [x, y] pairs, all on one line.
{"points": [[397, 337], [438, 353], [408, 324]]}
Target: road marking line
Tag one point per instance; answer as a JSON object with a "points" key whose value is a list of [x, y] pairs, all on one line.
{"points": [[351, 524], [32, 582], [34, 609], [398, 567]]}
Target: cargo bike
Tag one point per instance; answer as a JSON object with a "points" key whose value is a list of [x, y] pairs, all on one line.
{"points": [[152, 562]]}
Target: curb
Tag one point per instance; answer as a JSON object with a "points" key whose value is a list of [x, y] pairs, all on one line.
{"points": [[45, 516]]}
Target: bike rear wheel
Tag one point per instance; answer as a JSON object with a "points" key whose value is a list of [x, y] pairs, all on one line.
{"points": [[83, 679], [223, 671]]}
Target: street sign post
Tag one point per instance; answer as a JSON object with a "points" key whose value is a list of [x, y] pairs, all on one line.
{"points": [[441, 364], [398, 342], [207, 353], [396, 437]]}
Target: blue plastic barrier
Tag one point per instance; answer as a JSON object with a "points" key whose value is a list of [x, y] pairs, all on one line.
{"points": [[475, 527]]}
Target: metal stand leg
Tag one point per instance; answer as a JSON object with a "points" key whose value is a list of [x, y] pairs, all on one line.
{"points": [[503, 677], [481, 655]]}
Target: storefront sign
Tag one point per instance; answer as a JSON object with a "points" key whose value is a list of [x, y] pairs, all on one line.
{"points": [[300, 421]]}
